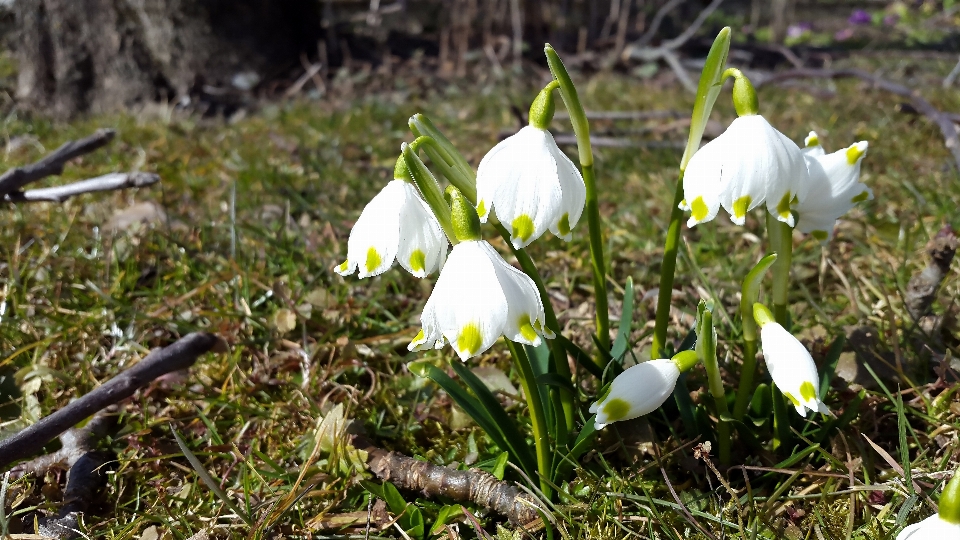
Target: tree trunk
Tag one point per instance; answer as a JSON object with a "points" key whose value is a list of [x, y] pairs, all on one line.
{"points": [[78, 56]]}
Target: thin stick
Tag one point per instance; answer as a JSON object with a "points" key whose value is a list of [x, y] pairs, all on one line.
{"points": [[179, 355], [52, 164], [943, 121], [432, 480], [107, 182]]}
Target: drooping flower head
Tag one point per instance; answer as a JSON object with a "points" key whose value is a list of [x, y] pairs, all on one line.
{"points": [[529, 183], [834, 186], [750, 164], [945, 524], [790, 365], [395, 225], [641, 389], [479, 296]]}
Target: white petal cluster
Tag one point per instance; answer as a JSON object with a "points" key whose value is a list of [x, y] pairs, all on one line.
{"points": [[791, 367], [531, 185], [834, 186], [750, 164], [479, 297], [637, 391], [932, 528], [395, 225]]}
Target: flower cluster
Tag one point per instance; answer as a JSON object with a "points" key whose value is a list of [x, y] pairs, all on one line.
{"points": [[528, 183]]}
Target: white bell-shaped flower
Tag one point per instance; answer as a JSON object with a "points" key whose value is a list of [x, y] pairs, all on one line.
{"points": [[529, 183], [750, 164], [395, 225], [790, 365], [834, 186], [639, 390], [479, 297], [932, 528]]}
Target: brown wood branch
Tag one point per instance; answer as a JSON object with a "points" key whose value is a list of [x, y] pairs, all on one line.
{"points": [[943, 120], [179, 355], [431, 480], [52, 164], [107, 182], [922, 288]]}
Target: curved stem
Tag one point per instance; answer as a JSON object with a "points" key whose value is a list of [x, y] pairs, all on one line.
{"points": [[707, 348], [747, 373], [749, 294], [781, 268], [668, 268], [541, 434]]}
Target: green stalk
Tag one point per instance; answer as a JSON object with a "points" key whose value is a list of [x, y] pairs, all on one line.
{"points": [[581, 128], [429, 188], [707, 350], [711, 80], [541, 433], [781, 268], [749, 294], [559, 355], [446, 156]]}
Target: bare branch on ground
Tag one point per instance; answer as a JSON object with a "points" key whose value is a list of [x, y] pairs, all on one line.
{"points": [[52, 164], [943, 120], [107, 182], [179, 355], [432, 480]]}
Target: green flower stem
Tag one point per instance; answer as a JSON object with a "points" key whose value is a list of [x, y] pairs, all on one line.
{"points": [[707, 349], [430, 189], [668, 269], [559, 355], [446, 156], [711, 79], [541, 433], [581, 128], [749, 294], [782, 235]]}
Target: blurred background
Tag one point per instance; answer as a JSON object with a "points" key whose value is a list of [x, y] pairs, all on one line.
{"points": [[66, 57]]}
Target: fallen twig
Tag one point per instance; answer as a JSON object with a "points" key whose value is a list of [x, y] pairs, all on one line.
{"points": [[107, 182], [52, 164], [179, 355], [943, 121], [432, 480], [923, 286]]}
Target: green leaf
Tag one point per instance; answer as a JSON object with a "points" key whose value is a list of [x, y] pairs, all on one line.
{"points": [[515, 442], [682, 396], [496, 466], [707, 92], [761, 405], [445, 514], [830, 365], [622, 343], [555, 380], [904, 449], [582, 358], [208, 479], [395, 501]]}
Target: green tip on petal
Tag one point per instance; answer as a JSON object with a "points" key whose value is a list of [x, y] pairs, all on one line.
{"points": [[807, 391], [482, 208], [543, 107], [699, 209], [740, 206], [373, 259], [470, 339], [762, 314], [811, 140], [862, 196], [950, 501], [343, 266], [522, 227], [419, 337], [616, 409], [855, 152], [418, 261], [564, 224], [526, 329], [783, 207], [795, 401]]}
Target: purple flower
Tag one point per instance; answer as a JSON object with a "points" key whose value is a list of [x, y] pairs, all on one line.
{"points": [[859, 16], [844, 34], [891, 19], [798, 30]]}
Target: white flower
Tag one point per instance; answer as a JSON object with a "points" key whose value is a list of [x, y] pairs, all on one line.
{"points": [[749, 164], [834, 186], [932, 528], [395, 225], [479, 297], [791, 367], [637, 391], [531, 185]]}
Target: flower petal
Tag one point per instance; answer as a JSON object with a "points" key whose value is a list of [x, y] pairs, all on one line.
{"points": [[637, 391], [791, 367], [422, 242], [524, 308], [375, 237], [702, 183]]}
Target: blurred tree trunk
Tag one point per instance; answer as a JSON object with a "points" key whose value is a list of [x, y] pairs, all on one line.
{"points": [[78, 56]]}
